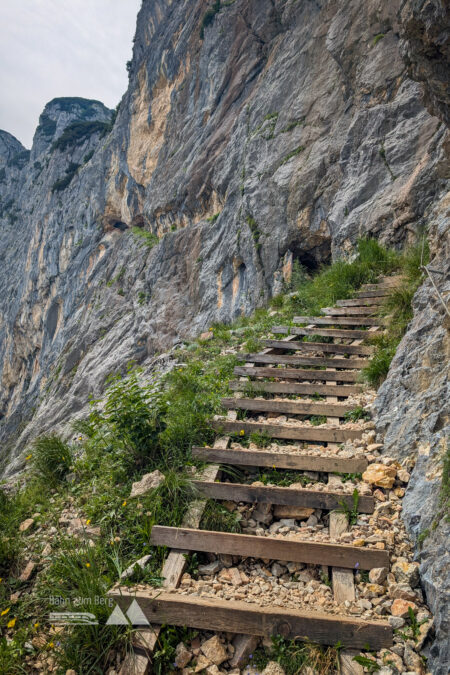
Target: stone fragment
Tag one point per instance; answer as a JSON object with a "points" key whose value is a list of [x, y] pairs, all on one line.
{"points": [[378, 574], [26, 524], [214, 650], [380, 496], [273, 668], [207, 335], [400, 607], [374, 447], [402, 591], [390, 658], [396, 622], [71, 672], [202, 663], [403, 475], [212, 670], [380, 475], [406, 572], [244, 645], [210, 568], [28, 571], [148, 482], [277, 569], [412, 660], [182, 655], [425, 626], [135, 664], [140, 563], [263, 514]]}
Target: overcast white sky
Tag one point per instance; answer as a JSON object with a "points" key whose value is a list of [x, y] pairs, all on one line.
{"points": [[51, 48]]}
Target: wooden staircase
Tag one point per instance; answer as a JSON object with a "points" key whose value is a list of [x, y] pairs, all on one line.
{"points": [[280, 369]]}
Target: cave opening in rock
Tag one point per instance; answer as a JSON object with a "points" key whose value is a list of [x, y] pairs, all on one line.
{"points": [[119, 225]]}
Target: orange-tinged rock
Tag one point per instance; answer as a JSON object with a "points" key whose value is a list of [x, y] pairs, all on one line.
{"points": [[23, 527], [380, 475], [400, 607]]}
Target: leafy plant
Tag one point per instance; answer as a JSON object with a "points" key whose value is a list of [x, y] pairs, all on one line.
{"points": [[51, 458], [356, 414], [369, 664], [351, 513], [147, 238]]}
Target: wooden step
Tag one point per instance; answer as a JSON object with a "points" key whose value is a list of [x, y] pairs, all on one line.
{"points": [[346, 334], [338, 320], [287, 359], [284, 496], [287, 406], [328, 347], [251, 546], [379, 293], [215, 614], [294, 388], [282, 460], [291, 432], [348, 311], [358, 302], [298, 374]]}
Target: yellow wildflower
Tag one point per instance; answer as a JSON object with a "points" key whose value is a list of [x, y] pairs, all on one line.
{"points": [[5, 611], [36, 625], [51, 645], [242, 432], [12, 623], [88, 522], [28, 457], [124, 503], [1, 580], [88, 564]]}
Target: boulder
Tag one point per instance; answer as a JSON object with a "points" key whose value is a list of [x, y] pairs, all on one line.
{"points": [[378, 574], [182, 655], [400, 607], [148, 482], [214, 651], [380, 475], [273, 668], [406, 573]]}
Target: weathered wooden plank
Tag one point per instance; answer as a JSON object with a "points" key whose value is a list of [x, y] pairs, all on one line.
{"points": [[293, 432], [380, 293], [329, 347], [336, 321], [298, 374], [251, 546], [215, 614], [359, 302], [286, 406], [282, 460], [345, 333], [294, 388], [284, 496], [348, 311], [288, 359]]}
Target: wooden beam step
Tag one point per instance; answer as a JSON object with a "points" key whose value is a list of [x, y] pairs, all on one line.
{"points": [[251, 546], [294, 388], [348, 311], [345, 333], [288, 359], [282, 460], [287, 406], [379, 293], [291, 432], [284, 496], [358, 302], [328, 347], [337, 321], [215, 614], [298, 374]]}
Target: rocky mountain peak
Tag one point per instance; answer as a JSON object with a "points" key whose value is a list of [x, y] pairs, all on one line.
{"points": [[59, 113], [9, 147]]}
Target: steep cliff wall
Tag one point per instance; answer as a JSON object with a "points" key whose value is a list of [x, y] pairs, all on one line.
{"points": [[270, 130]]}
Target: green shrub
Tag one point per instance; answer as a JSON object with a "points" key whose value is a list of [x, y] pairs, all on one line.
{"points": [[51, 458], [63, 182], [208, 17], [77, 132], [147, 238]]}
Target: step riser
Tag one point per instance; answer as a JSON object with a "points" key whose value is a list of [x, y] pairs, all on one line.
{"points": [[328, 347], [337, 321], [298, 374], [280, 460], [240, 617], [294, 433], [250, 546], [306, 361], [289, 407], [291, 388], [236, 492]]}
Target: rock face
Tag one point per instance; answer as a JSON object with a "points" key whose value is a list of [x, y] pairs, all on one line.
{"points": [[274, 131], [412, 412]]}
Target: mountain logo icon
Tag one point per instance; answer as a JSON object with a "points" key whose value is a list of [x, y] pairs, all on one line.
{"points": [[134, 616]]}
